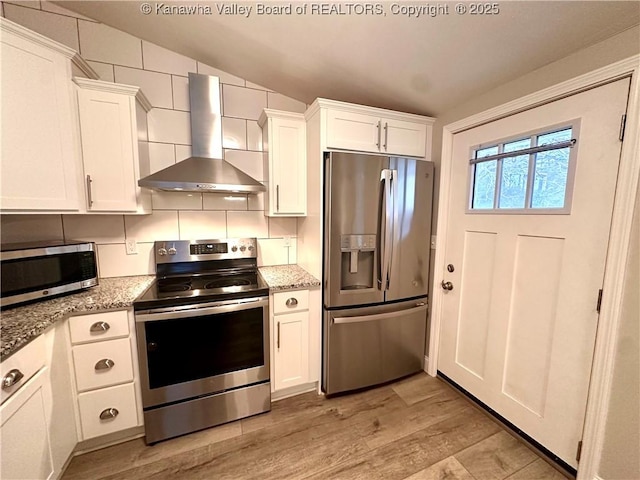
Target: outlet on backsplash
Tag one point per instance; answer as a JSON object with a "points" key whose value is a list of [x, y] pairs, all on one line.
{"points": [[132, 246]]}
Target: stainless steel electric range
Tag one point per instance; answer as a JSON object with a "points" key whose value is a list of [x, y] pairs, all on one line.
{"points": [[203, 337]]}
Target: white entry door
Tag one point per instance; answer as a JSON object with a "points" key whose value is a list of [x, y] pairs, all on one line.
{"points": [[526, 244]]}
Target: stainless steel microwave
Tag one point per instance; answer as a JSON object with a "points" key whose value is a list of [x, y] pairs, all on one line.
{"points": [[38, 271]]}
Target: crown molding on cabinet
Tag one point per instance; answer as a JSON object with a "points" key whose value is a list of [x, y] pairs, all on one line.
{"points": [[365, 110], [111, 87], [19, 30], [82, 65]]}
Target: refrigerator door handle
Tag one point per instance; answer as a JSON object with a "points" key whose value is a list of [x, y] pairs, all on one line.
{"points": [[391, 210], [384, 233], [379, 316]]}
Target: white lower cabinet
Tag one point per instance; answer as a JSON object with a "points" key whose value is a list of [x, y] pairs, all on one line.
{"points": [[105, 373], [295, 354], [25, 447]]}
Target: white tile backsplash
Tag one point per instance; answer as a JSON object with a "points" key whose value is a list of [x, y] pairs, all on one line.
{"points": [[160, 225], [180, 93], [282, 226], [272, 252], [94, 228], [57, 27], [161, 155], [224, 76], [288, 104], [250, 163], [114, 262], [234, 133], [102, 43], [254, 136], [202, 225], [243, 102], [176, 201], [53, 8], [155, 86], [169, 126], [256, 201], [160, 59], [247, 224], [104, 70], [26, 228], [224, 201], [182, 152]]}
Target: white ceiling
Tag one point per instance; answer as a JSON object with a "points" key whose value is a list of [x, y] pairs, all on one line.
{"points": [[423, 65]]}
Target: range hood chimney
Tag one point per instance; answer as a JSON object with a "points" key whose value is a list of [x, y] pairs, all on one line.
{"points": [[205, 171]]}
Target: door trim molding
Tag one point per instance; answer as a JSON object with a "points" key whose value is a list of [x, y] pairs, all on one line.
{"points": [[619, 239]]}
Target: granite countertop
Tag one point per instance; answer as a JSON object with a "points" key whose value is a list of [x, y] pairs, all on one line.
{"points": [[20, 325], [287, 277]]}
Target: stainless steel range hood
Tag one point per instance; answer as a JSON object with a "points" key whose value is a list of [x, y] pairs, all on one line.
{"points": [[204, 171]]}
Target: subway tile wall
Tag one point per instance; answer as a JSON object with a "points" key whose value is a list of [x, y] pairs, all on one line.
{"points": [[163, 77]]}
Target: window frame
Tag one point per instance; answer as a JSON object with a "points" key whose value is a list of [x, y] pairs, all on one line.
{"points": [[527, 210]]}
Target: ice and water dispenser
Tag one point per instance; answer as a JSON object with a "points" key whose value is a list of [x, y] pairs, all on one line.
{"points": [[357, 266]]}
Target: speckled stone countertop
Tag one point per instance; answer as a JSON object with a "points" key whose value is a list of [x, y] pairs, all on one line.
{"points": [[287, 277], [20, 325]]}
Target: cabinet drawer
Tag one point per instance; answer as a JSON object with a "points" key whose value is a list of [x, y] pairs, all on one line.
{"points": [[99, 402], [102, 364], [21, 366], [290, 301], [99, 326]]}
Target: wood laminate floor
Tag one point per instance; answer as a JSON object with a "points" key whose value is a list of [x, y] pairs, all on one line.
{"points": [[415, 429]]}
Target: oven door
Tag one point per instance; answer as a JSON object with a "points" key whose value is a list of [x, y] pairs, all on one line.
{"points": [[186, 352]]}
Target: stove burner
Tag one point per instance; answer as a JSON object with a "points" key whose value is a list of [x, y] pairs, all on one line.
{"points": [[171, 285], [227, 282]]}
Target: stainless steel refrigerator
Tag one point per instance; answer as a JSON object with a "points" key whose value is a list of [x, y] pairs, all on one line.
{"points": [[376, 268]]}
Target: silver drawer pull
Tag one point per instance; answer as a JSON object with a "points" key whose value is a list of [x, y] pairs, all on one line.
{"points": [[99, 327], [291, 302], [109, 413], [104, 364], [11, 378]]}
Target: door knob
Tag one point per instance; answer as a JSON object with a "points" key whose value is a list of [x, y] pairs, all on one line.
{"points": [[447, 285]]}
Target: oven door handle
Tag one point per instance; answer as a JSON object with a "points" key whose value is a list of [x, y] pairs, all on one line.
{"points": [[201, 310]]}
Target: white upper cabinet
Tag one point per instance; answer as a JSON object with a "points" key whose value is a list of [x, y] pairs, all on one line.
{"points": [[366, 129], [285, 163], [110, 155], [39, 159]]}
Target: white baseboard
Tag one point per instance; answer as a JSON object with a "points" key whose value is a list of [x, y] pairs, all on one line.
{"points": [[426, 364], [292, 391]]}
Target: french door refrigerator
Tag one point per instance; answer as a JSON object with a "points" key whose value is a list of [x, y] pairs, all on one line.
{"points": [[376, 268]]}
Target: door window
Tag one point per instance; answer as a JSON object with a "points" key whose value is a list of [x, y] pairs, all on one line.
{"points": [[529, 173]]}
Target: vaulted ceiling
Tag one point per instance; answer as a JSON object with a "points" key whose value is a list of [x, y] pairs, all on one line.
{"points": [[422, 64]]}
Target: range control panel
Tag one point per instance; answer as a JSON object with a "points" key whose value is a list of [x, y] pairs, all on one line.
{"points": [[172, 251]]}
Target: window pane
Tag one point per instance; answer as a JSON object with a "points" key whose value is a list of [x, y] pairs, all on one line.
{"points": [[517, 145], [484, 184], [554, 137], [485, 152], [550, 178], [513, 184]]}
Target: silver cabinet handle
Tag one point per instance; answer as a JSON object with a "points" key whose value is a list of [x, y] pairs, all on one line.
{"points": [[109, 413], [378, 142], [89, 196], [99, 327], [386, 135], [11, 378], [278, 338], [104, 364], [291, 302], [277, 198]]}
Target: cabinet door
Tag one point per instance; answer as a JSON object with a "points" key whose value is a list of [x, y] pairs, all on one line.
{"points": [[291, 352], [39, 158], [25, 451], [404, 138], [353, 131], [289, 167], [107, 126]]}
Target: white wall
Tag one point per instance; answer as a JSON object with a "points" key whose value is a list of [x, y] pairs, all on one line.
{"points": [[620, 458], [162, 76]]}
